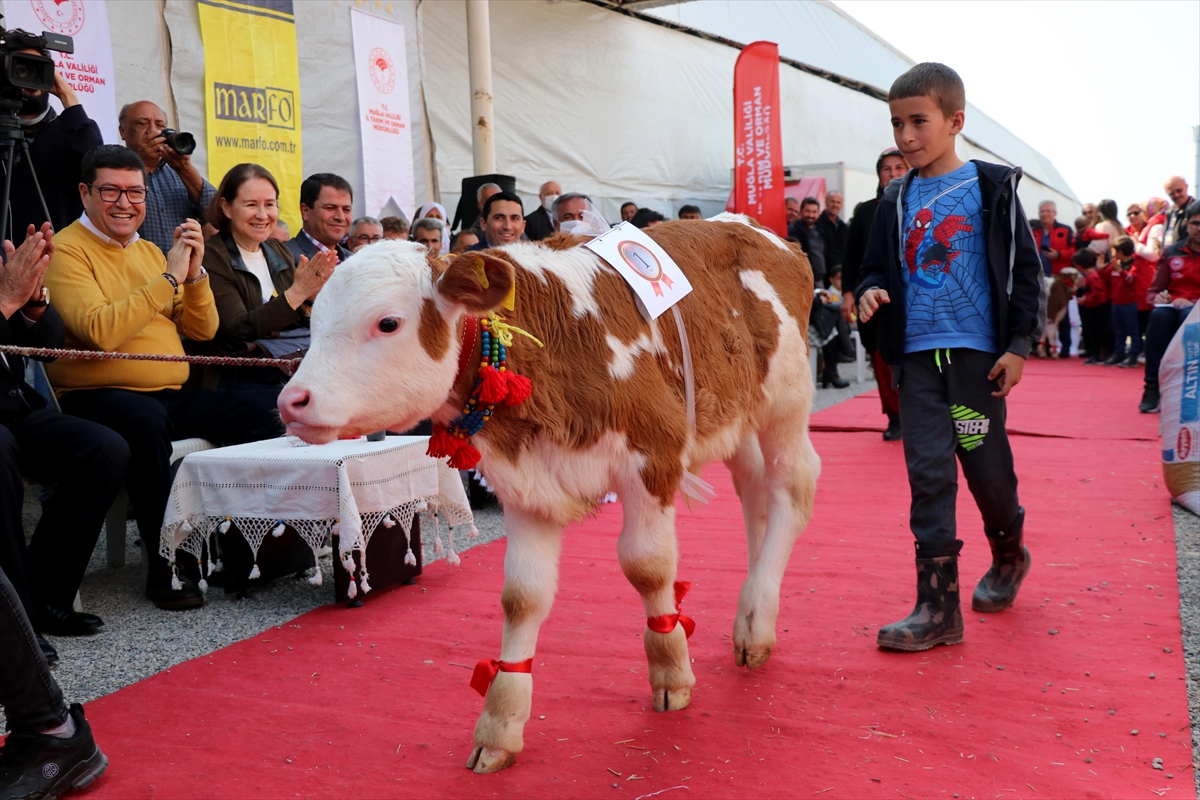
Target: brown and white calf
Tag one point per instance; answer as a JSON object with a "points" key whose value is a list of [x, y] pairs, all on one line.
{"points": [[607, 414]]}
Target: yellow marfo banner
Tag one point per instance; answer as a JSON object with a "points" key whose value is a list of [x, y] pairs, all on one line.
{"points": [[252, 86]]}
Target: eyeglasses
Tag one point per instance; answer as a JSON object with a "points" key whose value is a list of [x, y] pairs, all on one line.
{"points": [[367, 239], [1133, 212], [112, 194]]}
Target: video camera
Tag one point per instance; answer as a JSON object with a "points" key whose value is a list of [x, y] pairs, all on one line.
{"points": [[20, 71]]}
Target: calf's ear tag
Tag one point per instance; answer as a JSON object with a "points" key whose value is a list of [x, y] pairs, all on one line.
{"points": [[510, 300]]}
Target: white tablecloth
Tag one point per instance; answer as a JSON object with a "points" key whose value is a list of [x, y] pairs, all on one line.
{"points": [[347, 487]]}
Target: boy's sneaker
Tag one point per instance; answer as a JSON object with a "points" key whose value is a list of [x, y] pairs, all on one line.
{"points": [[1150, 399], [936, 618], [37, 766]]}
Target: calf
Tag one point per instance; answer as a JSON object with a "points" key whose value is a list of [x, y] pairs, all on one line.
{"points": [[607, 414]]}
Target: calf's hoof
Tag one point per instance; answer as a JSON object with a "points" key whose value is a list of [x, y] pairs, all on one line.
{"points": [[672, 699], [750, 659], [488, 759]]}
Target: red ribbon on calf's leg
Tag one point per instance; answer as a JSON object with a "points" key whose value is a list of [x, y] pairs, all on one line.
{"points": [[487, 668], [665, 623]]}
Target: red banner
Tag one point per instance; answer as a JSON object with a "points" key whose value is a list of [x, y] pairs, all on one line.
{"points": [[758, 178]]}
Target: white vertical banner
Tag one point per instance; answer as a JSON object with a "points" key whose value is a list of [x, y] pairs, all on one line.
{"points": [[89, 70], [382, 70]]}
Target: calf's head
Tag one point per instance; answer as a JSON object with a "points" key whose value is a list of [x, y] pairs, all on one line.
{"points": [[385, 340]]}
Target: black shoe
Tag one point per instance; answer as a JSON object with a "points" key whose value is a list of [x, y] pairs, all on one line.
{"points": [[1129, 362], [57, 622], [47, 649], [1150, 399], [160, 590], [893, 433], [37, 766], [936, 618], [1113, 360], [997, 589], [834, 381], [1091, 360]]}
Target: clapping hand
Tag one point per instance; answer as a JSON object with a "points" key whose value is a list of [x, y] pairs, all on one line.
{"points": [[24, 268], [311, 275], [187, 254]]}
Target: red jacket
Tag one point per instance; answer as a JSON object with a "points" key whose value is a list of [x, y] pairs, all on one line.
{"points": [[1061, 239], [1095, 289], [1121, 286], [1178, 272]]}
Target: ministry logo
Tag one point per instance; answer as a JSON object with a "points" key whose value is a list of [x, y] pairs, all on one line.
{"points": [[382, 70], [61, 16]]}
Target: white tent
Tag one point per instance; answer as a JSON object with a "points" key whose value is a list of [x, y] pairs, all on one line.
{"points": [[606, 100]]}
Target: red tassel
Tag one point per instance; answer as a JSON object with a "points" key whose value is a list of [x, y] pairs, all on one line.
{"points": [[442, 444], [519, 389], [494, 386], [465, 456]]}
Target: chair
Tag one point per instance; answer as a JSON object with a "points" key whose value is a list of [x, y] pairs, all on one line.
{"points": [[118, 513]]}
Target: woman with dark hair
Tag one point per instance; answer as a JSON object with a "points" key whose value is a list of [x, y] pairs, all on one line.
{"points": [[263, 298], [889, 166]]}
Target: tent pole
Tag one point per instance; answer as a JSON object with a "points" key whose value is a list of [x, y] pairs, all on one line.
{"points": [[479, 59]]}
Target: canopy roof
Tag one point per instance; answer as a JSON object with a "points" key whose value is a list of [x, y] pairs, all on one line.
{"points": [[822, 38]]}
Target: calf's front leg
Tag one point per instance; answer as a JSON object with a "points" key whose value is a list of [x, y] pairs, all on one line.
{"points": [[530, 582], [648, 553]]}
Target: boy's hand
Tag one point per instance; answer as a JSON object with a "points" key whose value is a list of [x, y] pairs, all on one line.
{"points": [[1008, 369], [869, 303]]}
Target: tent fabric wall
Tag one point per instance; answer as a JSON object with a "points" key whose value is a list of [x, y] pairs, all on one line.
{"points": [[624, 109], [612, 105]]}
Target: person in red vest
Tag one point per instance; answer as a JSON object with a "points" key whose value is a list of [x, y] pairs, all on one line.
{"points": [[1175, 289], [1055, 241], [1145, 228]]}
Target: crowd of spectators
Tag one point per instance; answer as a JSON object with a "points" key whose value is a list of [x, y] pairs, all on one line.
{"points": [[1117, 293]]}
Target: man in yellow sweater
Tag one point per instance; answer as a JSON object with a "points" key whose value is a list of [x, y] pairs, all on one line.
{"points": [[116, 291]]}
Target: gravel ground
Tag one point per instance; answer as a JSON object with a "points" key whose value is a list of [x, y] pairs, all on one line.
{"points": [[1187, 549]]}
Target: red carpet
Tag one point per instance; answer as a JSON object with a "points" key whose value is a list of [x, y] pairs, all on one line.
{"points": [[369, 702]]}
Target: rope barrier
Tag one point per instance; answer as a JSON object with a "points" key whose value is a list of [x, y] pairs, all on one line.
{"points": [[288, 365]]}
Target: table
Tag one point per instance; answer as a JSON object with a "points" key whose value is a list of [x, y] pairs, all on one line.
{"points": [[346, 487]]}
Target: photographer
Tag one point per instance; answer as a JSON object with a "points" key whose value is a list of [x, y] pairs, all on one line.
{"points": [[175, 190], [57, 143]]}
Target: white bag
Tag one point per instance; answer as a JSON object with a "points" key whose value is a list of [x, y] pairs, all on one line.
{"points": [[1179, 387]]}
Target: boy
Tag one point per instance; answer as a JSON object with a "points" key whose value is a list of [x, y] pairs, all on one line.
{"points": [[1094, 309], [1124, 305], [952, 268]]}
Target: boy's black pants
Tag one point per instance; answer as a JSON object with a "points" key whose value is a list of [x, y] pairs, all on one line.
{"points": [[947, 409]]}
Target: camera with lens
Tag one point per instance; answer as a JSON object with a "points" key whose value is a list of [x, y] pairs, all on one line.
{"points": [[179, 141], [19, 71]]}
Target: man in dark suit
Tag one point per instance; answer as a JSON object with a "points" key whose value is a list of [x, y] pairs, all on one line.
{"points": [[326, 206], [834, 231], [503, 221], [540, 223], [82, 462]]}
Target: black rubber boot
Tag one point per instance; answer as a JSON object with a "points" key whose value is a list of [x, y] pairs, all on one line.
{"points": [[936, 618], [998, 587]]}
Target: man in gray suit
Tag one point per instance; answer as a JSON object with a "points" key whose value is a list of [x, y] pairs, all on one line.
{"points": [[326, 202]]}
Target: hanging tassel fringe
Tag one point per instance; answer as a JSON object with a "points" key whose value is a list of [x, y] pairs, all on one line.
{"points": [[254, 571], [388, 522], [279, 528], [409, 558], [225, 526]]}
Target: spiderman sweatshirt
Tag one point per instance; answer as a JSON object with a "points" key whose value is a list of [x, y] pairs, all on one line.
{"points": [[1015, 292]]}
